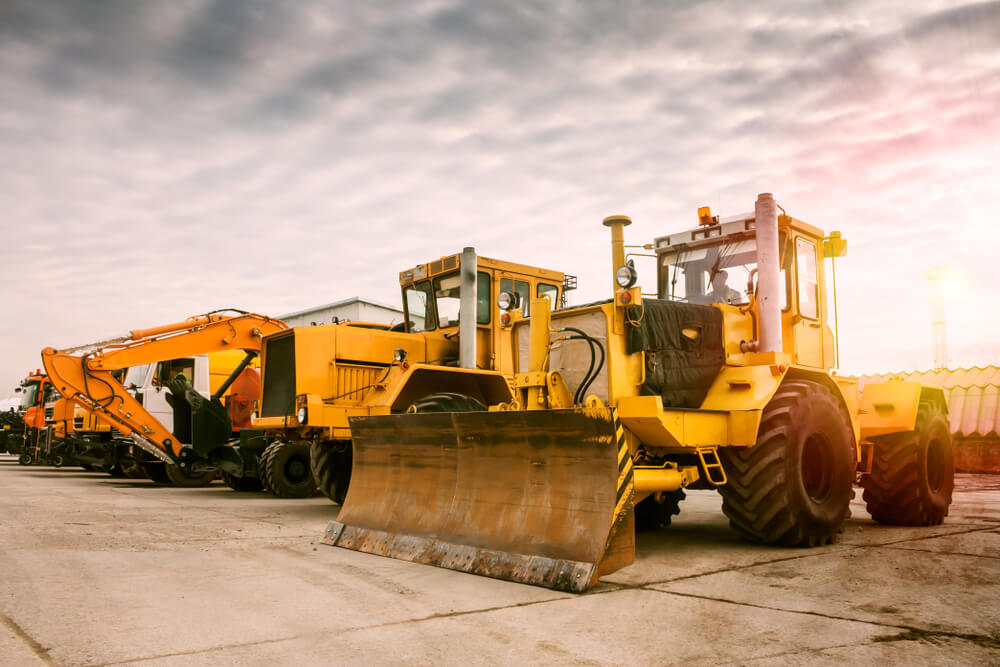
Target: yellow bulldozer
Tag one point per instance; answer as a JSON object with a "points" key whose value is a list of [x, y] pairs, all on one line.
{"points": [[721, 380], [447, 354]]}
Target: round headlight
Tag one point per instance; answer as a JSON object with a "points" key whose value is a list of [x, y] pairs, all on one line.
{"points": [[302, 415], [626, 276], [507, 300]]}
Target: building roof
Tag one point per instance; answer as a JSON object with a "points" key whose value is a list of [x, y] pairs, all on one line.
{"points": [[338, 304], [973, 396]]}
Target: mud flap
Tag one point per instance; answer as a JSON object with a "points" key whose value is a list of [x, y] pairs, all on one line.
{"points": [[538, 497]]}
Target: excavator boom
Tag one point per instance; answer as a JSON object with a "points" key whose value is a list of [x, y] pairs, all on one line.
{"points": [[87, 378]]}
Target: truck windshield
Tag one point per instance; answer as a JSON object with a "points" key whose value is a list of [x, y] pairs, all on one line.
{"points": [[30, 395], [717, 273], [136, 375]]}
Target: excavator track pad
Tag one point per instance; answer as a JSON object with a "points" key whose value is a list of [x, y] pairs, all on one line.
{"points": [[538, 497]]}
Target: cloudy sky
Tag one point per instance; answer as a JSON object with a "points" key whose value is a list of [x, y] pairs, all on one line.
{"points": [[161, 159]]}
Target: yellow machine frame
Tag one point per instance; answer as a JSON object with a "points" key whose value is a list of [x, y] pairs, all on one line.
{"points": [[368, 370]]}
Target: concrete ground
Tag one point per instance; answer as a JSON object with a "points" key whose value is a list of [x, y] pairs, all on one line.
{"points": [[100, 571]]}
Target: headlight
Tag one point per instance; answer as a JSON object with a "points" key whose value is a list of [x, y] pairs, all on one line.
{"points": [[626, 276], [301, 415], [254, 416], [507, 300]]}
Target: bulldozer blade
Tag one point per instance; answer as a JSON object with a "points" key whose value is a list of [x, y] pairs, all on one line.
{"points": [[537, 497]]}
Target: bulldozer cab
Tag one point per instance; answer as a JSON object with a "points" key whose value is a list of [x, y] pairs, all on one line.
{"points": [[432, 296], [716, 263]]}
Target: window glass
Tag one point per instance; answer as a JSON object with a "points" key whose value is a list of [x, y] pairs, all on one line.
{"points": [[415, 300], [29, 396], [550, 291], [808, 287], [447, 298], [718, 273], [523, 291], [136, 375], [168, 370], [483, 299]]}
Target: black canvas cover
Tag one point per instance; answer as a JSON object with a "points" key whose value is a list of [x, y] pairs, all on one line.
{"points": [[679, 369]]}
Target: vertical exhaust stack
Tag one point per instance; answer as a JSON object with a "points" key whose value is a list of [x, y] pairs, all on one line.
{"points": [[768, 273], [467, 310], [617, 223]]}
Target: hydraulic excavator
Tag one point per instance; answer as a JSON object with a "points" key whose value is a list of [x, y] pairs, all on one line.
{"points": [[721, 380], [447, 354], [199, 444]]}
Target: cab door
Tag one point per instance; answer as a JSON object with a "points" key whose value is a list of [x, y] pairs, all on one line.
{"points": [[807, 327]]}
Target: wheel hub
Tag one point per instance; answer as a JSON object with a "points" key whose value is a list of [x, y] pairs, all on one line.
{"points": [[296, 470]]}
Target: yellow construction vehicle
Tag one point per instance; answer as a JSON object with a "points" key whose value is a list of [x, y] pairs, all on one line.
{"points": [[448, 353], [161, 404], [722, 381]]}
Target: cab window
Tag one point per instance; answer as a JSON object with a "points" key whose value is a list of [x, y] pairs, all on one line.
{"points": [[447, 298], [168, 370], [523, 291], [416, 300], [550, 291], [807, 280], [483, 298]]}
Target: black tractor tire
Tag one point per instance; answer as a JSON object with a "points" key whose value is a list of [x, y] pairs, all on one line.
{"points": [[794, 487], [181, 477], [331, 468], [58, 461], [156, 471], [446, 402], [658, 510], [913, 473], [286, 470], [25, 459], [242, 483]]}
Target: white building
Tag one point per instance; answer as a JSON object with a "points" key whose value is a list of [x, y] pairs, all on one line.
{"points": [[354, 309]]}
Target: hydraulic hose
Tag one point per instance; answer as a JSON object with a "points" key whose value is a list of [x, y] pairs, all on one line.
{"points": [[592, 372]]}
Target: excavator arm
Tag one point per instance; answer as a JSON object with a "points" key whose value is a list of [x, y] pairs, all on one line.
{"points": [[84, 374]]}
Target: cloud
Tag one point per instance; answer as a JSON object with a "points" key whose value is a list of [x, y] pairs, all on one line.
{"points": [[162, 159]]}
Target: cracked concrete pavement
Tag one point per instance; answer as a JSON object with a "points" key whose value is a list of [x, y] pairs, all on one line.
{"points": [[103, 571]]}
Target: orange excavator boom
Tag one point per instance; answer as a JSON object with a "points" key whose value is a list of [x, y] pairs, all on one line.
{"points": [[87, 378]]}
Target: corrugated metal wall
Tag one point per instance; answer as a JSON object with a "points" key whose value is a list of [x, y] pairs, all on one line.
{"points": [[973, 396]]}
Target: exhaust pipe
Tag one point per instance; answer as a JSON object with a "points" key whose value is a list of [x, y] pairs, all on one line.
{"points": [[467, 310], [768, 274], [617, 223]]}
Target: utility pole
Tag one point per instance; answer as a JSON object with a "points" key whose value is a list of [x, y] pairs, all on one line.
{"points": [[935, 278]]}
